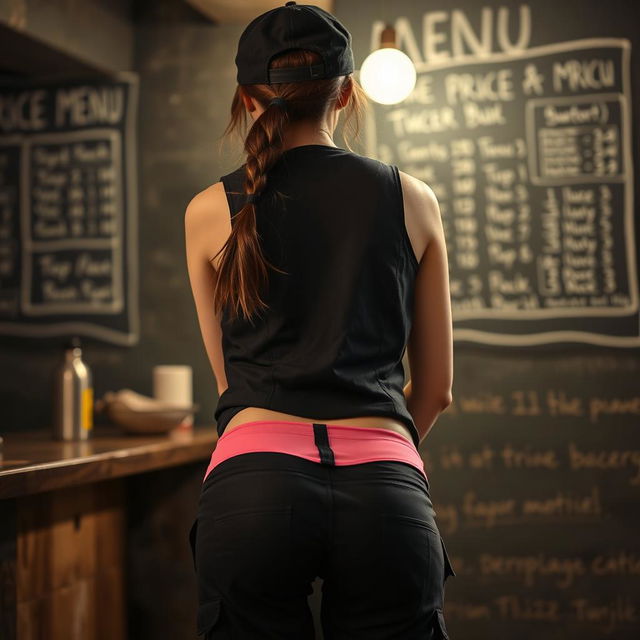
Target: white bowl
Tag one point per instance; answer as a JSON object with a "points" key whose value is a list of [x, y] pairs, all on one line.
{"points": [[143, 421]]}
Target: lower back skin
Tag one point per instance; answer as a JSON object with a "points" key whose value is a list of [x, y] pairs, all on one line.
{"points": [[249, 414]]}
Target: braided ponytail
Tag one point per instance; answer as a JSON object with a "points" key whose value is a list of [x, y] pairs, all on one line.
{"points": [[243, 268], [246, 269]]}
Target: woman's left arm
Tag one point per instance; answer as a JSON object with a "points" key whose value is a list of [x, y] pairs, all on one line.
{"points": [[207, 227]]}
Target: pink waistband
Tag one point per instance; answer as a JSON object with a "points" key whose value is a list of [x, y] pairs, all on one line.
{"points": [[350, 444]]}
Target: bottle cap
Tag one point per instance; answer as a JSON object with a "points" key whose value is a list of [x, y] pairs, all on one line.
{"points": [[74, 343]]}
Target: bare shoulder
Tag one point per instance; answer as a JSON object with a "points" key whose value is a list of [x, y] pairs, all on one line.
{"points": [[422, 212], [206, 203], [207, 221]]}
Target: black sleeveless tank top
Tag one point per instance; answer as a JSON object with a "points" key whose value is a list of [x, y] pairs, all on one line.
{"points": [[331, 343]]}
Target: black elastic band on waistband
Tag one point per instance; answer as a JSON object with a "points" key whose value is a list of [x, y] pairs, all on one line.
{"points": [[321, 437]]}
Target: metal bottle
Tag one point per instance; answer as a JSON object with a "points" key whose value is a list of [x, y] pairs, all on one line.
{"points": [[73, 396]]}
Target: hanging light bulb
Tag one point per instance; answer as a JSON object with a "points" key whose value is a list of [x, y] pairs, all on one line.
{"points": [[387, 74]]}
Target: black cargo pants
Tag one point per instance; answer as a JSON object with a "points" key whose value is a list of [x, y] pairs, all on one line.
{"points": [[269, 523]]}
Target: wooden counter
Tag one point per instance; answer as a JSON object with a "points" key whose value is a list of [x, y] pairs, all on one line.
{"points": [[33, 462], [93, 535]]}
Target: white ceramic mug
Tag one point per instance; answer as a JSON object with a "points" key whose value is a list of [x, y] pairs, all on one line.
{"points": [[174, 383]]}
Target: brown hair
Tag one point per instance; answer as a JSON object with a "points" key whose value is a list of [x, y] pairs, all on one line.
{"points": [[243, 267]]}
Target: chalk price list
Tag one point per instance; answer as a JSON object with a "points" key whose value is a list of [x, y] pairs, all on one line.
{"points": [[529, 160], [9, 226], [68, 208], [73, 243], [73, 189], [507, 223]]}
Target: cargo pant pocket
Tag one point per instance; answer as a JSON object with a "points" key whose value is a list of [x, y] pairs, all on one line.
{"points": [[448, 569], [439, 627], [192, 540], [208, 618]]}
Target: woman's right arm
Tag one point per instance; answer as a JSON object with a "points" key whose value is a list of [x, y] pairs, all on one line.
{"points": [[430, 344]]}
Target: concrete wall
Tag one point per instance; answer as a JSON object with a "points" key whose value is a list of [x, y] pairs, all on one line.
{"points": [[99, 32]]}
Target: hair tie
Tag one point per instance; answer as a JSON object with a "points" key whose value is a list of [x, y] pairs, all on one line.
{"points": [[281, 102], [252, 198]]}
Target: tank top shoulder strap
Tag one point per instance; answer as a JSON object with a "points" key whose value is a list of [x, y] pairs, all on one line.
{"points": [[233, 187]]}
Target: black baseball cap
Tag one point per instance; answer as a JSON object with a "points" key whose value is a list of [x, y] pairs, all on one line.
{"points": [[293, 26]]}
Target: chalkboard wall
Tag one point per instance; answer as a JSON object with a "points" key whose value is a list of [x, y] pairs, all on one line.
{"points": [[523, 123]]}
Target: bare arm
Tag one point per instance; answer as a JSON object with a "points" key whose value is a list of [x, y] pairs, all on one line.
{"points": [[207, 227], [430, 345]]}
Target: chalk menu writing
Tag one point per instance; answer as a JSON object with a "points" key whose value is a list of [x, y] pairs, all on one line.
{"points": [[68, 218], [528, 153], [542, 520]]}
